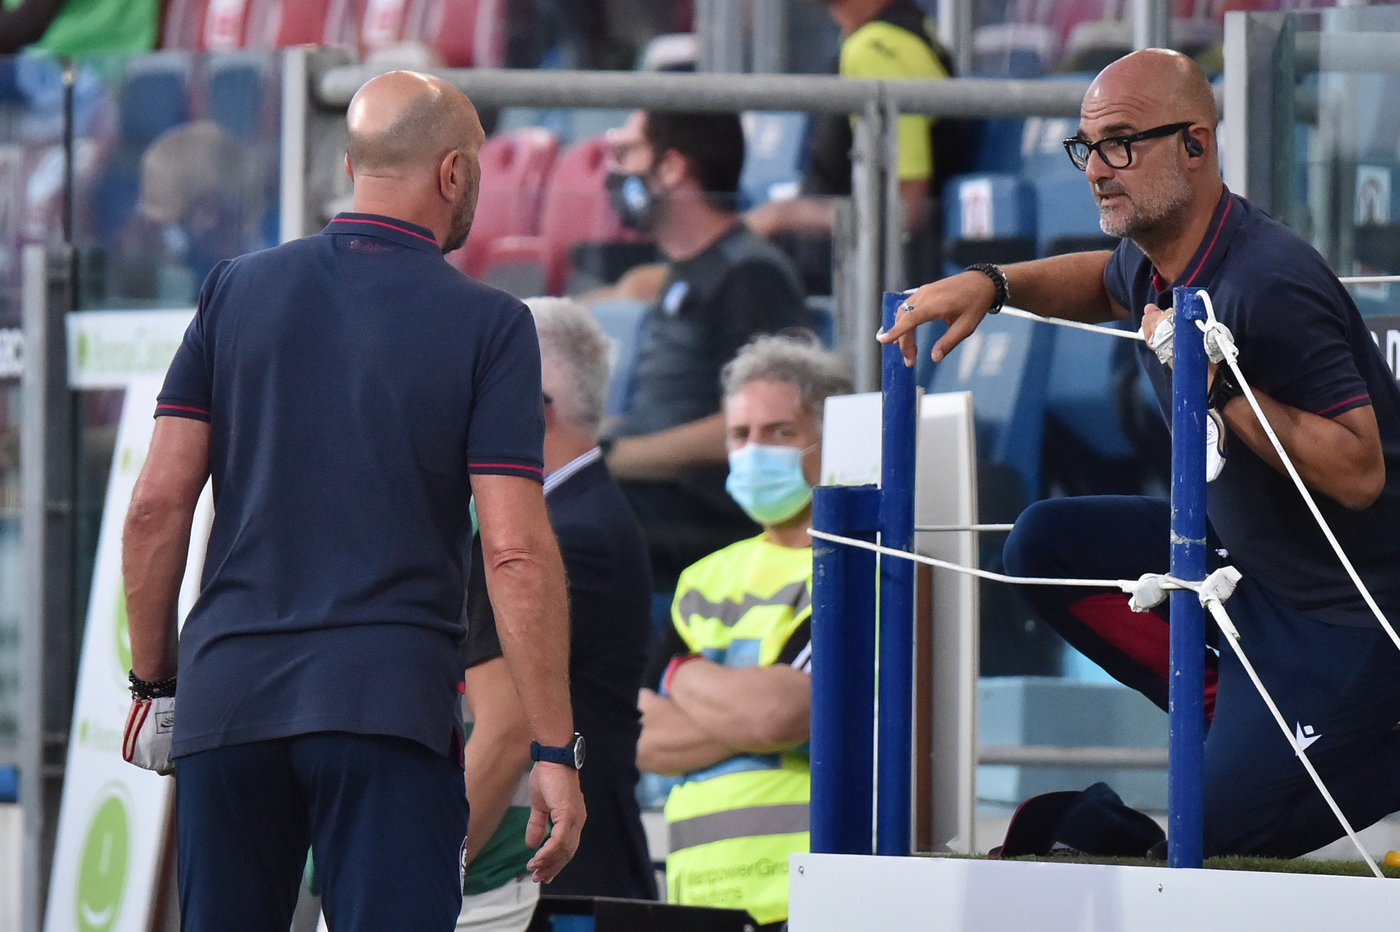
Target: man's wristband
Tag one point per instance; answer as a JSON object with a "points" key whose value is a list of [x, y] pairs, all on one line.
{"points": [[146, 689], [676, 663], [1223, 389], [998, 278]]}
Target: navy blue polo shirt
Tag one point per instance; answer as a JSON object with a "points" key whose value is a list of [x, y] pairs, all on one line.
{"points": [[1302, 343], [353, 382]]}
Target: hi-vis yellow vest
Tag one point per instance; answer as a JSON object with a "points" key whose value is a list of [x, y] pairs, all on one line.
{"points": [[733, 825]]}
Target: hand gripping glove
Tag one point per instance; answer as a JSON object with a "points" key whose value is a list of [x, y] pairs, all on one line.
{"points": [[150, 726]]}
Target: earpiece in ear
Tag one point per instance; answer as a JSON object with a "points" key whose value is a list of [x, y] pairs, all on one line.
{"points": [[1194, 148]]}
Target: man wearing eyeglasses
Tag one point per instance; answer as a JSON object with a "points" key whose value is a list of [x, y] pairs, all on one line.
{"points": [[1146, 143]]}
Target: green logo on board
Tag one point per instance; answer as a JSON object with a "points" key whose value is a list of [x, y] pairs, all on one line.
{"points": [[102, 869]]}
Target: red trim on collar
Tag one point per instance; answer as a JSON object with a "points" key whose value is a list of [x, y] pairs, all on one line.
{"points": [[1228, 204], [381, 223]]}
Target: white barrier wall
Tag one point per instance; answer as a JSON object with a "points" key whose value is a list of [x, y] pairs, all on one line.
{"points": [[838, 893]]}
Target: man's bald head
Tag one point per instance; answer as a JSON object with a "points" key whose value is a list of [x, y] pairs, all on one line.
{"points": [[404, 121], [1164, 85]]}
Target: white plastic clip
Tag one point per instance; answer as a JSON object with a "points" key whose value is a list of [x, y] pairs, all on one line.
{"points": [[1147, 593], [1220, 585], [1162, 339]]}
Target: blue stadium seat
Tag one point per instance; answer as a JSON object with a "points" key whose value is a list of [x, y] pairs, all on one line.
{"points": [[1006, 366], [237, 89], [154, 97], [987, 218], [621, 321], [775, 149], [9, 785], [1068, 219], [999, 148], [1081, 392]]}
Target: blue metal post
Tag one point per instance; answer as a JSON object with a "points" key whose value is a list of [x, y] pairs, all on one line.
{"points": [[1185, 695], [843, 671], [896, 642]]}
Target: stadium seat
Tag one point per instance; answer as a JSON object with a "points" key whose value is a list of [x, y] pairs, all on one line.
{"points": [[621, 321], [461, 33], [575, 210], [153, 98], [1081, 392], [281, 23], [237, 90], [999, 146], [1012, 50], [775, 146], [514, 169], [987, 218], [1005, 363]]}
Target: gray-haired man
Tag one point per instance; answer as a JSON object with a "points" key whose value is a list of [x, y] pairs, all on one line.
{"points": [[609, 611]]}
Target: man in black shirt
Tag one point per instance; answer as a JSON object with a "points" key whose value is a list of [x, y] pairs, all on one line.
{"points": [[675, 175]]}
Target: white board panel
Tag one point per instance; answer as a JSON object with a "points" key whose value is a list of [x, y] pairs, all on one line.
{"points": [[113, 816], [838, 893], [946, 494]]}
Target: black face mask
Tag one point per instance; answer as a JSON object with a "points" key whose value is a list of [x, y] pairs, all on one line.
{"points": [[632, 200]]}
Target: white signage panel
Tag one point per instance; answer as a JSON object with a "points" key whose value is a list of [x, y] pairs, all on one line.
{"points": [[112, 821], [107, 349]]}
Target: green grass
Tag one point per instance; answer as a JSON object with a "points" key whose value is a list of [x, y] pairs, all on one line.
{"points": [[1228, 863]]}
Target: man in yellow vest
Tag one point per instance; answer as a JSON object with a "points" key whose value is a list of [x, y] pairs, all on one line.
{"points": [[727, 700]]}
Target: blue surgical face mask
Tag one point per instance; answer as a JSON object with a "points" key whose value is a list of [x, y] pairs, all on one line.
{"points": [[767, 482]]}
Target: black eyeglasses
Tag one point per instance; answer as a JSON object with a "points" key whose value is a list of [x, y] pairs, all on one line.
{"points": [[1116, 151]]}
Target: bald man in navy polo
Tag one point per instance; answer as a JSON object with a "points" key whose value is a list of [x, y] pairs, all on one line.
{"points": [[349, 393], [1146, 143]]}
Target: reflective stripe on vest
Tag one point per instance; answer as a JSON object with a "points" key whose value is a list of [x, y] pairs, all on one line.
{"points": [[729, 612], [740, 823]]}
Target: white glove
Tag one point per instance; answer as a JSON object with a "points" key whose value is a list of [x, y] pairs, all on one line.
{"points": [[150, 726], [1163, 338]]}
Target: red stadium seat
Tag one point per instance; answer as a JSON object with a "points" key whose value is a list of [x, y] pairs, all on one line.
{"points": [[275, 24], [199, 25], [575, 210], [364, 26], [461, 33], [514, 169]]}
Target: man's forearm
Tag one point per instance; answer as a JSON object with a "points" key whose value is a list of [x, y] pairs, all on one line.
{"points": [[495, 762], [796, 215], [664, 454], [671, 742], [155, 546], [752, 709], [532, 619], [1340, 457], [1069, 286], [156, 541]]}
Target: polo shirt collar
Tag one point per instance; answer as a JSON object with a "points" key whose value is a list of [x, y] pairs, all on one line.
{"points": [[1201, 269], [390, 228]]}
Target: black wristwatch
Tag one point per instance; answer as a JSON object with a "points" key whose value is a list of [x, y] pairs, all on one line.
{"points": [[570, 755], [1223, 389], [998, 278]]}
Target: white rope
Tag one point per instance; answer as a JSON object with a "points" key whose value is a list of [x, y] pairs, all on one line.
{"points": [[1224, 345], [1062, 322], [1370, 280], [974, 528], [1232, 635], [1075, 324], [1162, 580]]}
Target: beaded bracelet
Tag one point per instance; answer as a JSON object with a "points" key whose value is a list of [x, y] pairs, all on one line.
{"points": [[144, 689]]}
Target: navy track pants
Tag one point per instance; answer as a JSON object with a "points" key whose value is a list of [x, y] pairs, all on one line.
{"points": [[386, 818], [1339, 686]]}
